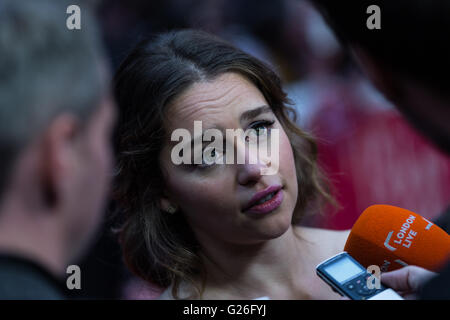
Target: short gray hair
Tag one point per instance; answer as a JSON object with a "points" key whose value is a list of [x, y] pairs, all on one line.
{"points": [[45, 70]]}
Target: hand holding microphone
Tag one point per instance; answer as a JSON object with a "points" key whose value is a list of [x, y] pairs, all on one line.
{"points": [[407, 281], [390, 238]]}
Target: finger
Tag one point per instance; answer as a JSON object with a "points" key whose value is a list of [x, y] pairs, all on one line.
{"points": [[407, 279], [397, 280]]}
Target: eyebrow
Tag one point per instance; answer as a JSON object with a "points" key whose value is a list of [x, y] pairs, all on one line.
{"points": [[246, 116], [250, 114]]}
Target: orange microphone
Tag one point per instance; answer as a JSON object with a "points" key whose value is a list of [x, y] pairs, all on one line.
{"points": [[392, 237]]}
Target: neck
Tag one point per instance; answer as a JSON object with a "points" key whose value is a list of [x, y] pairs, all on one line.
{"points": [[248, 271], [32, 236]]}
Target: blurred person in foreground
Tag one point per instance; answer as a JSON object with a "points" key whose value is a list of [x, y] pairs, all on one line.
{"points": [[56, 117], [407, 60]]}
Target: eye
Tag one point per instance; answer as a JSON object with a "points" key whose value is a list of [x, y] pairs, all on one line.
{"points": [[211, 156], [259, 129]]}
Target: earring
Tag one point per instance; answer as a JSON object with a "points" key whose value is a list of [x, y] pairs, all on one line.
{"points": [[172, 209]]}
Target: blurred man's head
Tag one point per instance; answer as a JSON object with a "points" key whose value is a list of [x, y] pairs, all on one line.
{"points": [[55, 123], [407, 59]]}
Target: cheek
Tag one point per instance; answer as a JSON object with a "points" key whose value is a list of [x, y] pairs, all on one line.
{"points": [[201, 197], [101, 149], [287, 164], [193, 192], [96, 168]]}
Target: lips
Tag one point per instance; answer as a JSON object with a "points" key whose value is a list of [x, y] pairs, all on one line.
{"points": [[265, 201]]}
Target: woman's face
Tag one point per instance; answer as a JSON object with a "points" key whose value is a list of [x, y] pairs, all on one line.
{"points": [[218, 200]]}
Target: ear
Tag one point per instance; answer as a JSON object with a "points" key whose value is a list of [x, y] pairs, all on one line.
{"points": [[58, 157], [381, 75], [167, 206], [164, 203]]}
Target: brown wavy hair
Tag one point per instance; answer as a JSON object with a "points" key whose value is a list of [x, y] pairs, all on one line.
{"points": [[157, 246]]}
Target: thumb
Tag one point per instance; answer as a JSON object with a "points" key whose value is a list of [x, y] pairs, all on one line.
{"points": [[407, 279]]}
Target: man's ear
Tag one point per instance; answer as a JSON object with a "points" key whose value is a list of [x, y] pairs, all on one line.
{"points": [[383, 78], [58, 157]]}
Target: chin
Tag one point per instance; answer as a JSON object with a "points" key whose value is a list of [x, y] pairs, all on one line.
{"points": [[274, 227]]}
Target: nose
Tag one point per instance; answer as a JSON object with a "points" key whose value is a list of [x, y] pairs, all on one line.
{"points": [[252, 169]]}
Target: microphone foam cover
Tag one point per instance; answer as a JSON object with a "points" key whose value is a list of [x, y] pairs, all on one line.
{"points": [[391, 237]]}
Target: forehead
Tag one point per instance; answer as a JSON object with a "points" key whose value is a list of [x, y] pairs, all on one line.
{"points": [[217, 103]]}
